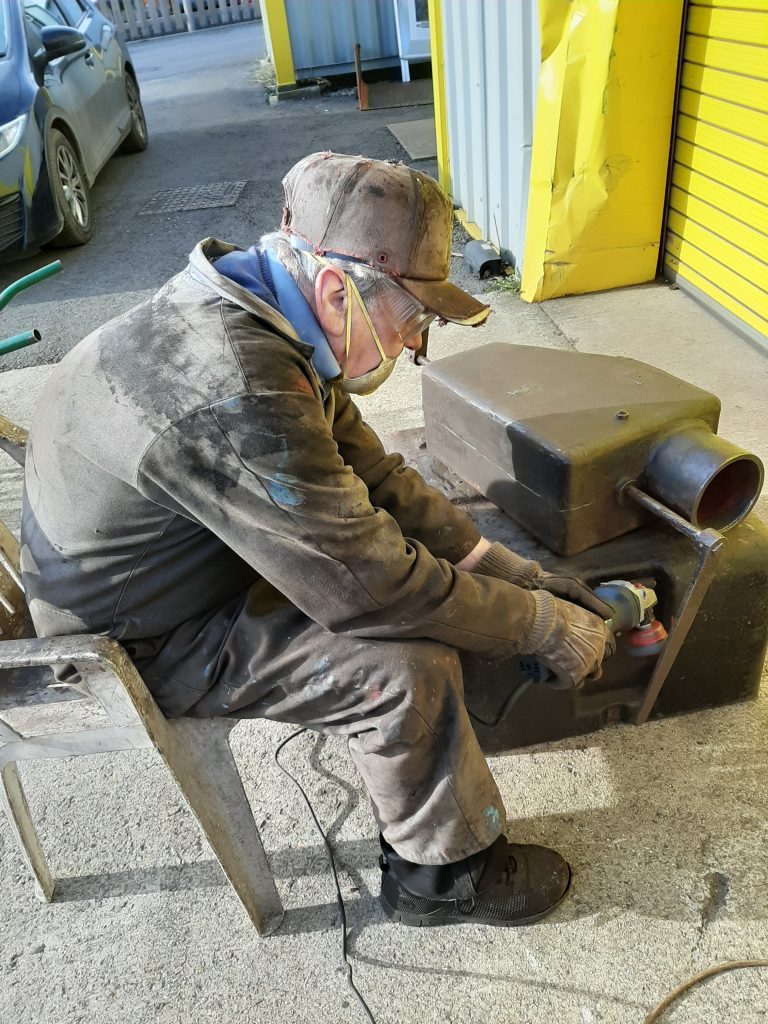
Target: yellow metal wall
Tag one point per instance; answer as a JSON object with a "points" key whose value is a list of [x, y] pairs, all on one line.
{"points": [[278, 41], [717, 228], [600, 145], [435, 9]]}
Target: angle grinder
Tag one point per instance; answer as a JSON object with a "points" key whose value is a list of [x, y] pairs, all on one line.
{"points": [[633, 618]]}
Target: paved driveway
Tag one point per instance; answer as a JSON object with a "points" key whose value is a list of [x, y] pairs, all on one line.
{"points": [[208, 123]]}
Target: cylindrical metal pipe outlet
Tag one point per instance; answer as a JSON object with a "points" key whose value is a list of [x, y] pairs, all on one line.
{"points": [[706, 479]]}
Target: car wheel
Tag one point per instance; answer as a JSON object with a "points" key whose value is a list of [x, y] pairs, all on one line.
{"points": [[70, 191], [136, 140]]}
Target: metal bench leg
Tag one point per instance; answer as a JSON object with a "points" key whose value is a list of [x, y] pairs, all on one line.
{"points": [[15, 805], [199, 757]]}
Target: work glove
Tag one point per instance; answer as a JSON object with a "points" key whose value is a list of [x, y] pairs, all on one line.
{"points": [[570, 641], [503, 564]]}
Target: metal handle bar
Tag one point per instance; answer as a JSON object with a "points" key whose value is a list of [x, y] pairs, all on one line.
{"points": [[26, 282], [26, 337]]}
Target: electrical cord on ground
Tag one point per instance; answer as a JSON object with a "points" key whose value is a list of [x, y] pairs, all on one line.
{"points": [[505, 708], [734, 965], [510, 701], [331, 860]]}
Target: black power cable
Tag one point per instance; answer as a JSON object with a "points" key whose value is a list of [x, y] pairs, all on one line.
{"points": [[332, 862], [504, 710], [506, 707]]}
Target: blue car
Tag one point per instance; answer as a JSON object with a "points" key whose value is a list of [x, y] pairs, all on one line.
{"points": [[69, 98]]}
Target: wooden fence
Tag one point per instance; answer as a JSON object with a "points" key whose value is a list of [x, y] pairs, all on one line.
{"points": [[145, 19]]}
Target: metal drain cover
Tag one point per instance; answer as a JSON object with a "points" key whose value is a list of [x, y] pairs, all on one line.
{"points": [[202, 197]]}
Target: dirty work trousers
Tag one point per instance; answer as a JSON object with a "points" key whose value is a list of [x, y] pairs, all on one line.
{"points": [[399, 702]]}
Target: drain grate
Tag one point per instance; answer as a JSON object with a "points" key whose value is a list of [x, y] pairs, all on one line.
{"points": [[203, 197]]}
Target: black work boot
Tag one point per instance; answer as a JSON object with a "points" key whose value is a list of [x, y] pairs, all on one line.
{"points": [[505, 885]]}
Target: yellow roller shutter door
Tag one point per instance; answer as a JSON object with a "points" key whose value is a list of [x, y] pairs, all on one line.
{"points": [[717, 227]]}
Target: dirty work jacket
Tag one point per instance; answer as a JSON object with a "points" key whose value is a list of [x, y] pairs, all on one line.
{"points": [[183, 453]]}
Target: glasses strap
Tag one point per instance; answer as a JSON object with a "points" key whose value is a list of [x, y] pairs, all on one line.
{"points": [[350, 288]]}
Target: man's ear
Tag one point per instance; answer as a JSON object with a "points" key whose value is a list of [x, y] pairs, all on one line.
{"points": [[331, 301]]}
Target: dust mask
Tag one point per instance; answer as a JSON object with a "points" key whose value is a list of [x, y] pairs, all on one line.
{"points": [[368, 382]]}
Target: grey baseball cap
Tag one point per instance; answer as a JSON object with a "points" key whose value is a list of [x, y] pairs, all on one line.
{"points": [[386, 215]]}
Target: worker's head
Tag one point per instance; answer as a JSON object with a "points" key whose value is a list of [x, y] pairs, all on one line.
{"points": [[367, 318], [375, 239]]}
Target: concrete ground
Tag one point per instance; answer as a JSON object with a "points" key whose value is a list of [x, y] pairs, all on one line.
{"points": [[666, 826]]}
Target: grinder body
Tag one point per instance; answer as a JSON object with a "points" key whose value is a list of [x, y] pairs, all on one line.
{"points": [[720, 662], [632, 605]]}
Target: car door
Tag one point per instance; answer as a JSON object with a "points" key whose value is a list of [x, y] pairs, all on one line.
{"points": [[74, 83], [102, 37]]}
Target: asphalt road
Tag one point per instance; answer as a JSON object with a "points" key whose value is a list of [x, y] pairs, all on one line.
{"points": [[208, 123]]}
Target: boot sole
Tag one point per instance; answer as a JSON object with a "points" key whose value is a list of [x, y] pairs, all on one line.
{"points": [[435, 921]]}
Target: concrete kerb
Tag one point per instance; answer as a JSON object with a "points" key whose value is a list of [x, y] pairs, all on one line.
{"points": [[19, 391], [294, 92]]}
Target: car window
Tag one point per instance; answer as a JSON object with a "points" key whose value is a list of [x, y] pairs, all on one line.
{"points": [[3, 32], [32, 32], [72, 10], [44, 13]]}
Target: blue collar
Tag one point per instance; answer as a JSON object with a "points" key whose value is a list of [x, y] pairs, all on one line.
{"points": [[296, 310]]}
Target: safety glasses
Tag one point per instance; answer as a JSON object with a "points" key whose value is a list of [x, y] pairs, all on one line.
{"points": [[406, 315]]}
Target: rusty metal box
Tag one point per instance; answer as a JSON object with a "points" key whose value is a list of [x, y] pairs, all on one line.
{"points": [[720, 662], [548, 435]]}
